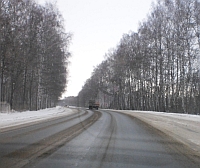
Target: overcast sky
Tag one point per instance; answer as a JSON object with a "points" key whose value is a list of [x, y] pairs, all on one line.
{"points": [[97, 26]]}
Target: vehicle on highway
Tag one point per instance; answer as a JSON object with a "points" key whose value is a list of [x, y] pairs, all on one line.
{"points": [[93, 104]]}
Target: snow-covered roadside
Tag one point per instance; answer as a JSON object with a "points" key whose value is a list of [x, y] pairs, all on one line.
{"points": [[17, 118], [183, 127]]}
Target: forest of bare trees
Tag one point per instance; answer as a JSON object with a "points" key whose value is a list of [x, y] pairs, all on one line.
{"points": [[155, 68], [33, 54]]}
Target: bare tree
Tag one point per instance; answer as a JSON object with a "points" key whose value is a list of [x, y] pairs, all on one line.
{"points": [[157, 67], [34, 54]]}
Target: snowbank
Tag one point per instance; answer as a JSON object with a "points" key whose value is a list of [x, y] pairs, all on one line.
{"points": [[17, 118]]}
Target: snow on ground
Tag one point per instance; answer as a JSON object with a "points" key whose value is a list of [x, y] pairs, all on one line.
{"points": [[17, 118], [183, 127]]}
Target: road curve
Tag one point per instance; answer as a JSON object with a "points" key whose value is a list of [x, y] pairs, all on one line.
{"points": [[116, 140], [22, 146]]}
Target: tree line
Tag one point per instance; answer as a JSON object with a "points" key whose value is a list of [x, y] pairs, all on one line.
{"points": [[155, 68], [33, 54]]}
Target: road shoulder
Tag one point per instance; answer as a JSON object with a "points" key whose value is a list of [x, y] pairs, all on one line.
{"points": [[183, 128]]}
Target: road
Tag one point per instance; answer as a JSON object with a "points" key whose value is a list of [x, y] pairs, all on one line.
{"points": [[96, 139]]}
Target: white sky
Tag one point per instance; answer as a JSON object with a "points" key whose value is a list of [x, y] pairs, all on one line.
{"points": [[97, 26]]}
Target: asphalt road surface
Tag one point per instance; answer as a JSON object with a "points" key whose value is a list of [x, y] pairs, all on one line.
{"points": [[92, 139]]}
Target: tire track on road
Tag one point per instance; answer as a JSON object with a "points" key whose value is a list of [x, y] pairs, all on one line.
{"points": [[41, 149], [8, 139]]}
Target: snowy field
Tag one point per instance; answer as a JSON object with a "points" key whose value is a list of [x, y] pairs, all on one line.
{"points": [[12, 119]]}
